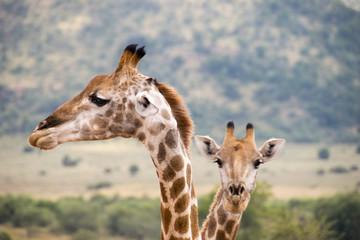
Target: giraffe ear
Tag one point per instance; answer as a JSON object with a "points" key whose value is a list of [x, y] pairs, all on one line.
{"points": [[272, 148], [144, 104], [207, 146]]}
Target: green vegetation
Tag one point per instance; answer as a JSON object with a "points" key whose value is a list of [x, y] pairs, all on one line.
{"points": [[5, 236], [286, 64], [326, 218]]}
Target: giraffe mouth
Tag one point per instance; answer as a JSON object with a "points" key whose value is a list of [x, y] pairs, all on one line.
{"points": [[42, 140], [236, 203]]}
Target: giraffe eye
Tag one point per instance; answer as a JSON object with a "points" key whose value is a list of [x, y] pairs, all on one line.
{"points": [[257, 163], [98, 101], [219, 162]]}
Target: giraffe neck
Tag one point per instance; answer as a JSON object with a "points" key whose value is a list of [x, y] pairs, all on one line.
{"points": [[220, 224], [179, 210]]}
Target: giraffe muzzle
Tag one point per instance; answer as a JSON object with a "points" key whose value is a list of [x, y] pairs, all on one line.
{"points": [[236, 189]]}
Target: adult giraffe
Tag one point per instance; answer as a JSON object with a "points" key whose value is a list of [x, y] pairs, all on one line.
{"points": [[129, 104], [238, 161]]}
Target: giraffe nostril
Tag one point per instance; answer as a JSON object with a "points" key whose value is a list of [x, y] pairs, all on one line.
{"points": [[242, 189], [41, 125], [236, 189], [231, 190]]}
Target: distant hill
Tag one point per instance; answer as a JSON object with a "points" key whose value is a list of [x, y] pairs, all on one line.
{"points": [[290, 67]]}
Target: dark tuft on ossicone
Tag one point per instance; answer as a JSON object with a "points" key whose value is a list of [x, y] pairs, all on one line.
{"points": [[131, 48], [230, 124], [140, 52], [249, 126]]}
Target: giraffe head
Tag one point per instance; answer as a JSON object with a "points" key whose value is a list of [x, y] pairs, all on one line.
{"points": [[238, 161], [124, 103]]}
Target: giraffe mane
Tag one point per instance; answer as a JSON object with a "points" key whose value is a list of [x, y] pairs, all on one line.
{"points": [[212, 207], [180, 112]]}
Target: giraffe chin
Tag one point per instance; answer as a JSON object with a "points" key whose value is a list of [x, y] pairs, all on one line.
{"points": [[237, 204], [45, 142]]}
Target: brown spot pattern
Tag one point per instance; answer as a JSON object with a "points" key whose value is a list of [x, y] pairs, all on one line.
{"points": [[120, 107], [194, 221], [211, 226], [182, 203], [172, 237], [229, 226], [119, 118], [177, 187], [168, 174], [137, 123], [193, 195], [188, 175], [177, 163], [221, 215], [165, 218], [156, 128], [141, 136], [161, 153], [220, 235], [131, 106], [182, 224], [115, 128], [163, 193], [165, 114], [151, 147], [130, 130], [171, 138], [109, 113], [100, 122]]}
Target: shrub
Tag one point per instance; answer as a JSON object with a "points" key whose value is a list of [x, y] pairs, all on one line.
{"points": [[28, 149], [323, 153], [343, 211], [354, 168], [339, 169], [84, 235], [320, 172], [134, 218], [292, 225], [76, 214], [31, 215], [99, 185], [358, 149], [107, 170], [68, 162], [5, 236], [134, 169]]}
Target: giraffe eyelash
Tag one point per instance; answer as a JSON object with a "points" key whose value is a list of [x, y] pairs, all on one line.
{"points": [[98, 101]]}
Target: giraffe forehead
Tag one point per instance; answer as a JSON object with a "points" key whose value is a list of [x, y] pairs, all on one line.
{"points": [[237, 151]]}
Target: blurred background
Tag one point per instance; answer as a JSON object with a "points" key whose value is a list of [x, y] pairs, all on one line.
{"points": [[292, 68]]}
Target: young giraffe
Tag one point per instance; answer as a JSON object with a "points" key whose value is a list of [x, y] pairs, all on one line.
{"points": [[238, 161], [129, 104]]}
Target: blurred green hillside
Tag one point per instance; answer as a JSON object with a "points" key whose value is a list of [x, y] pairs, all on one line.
{"points": [[290, 67]]}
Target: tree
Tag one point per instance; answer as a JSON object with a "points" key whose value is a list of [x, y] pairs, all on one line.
{"points": [[134, 169], [323, 153], [343, 210], [5, 236]]}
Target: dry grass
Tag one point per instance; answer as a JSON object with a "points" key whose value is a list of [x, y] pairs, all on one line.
{"points": [[294, 174]]}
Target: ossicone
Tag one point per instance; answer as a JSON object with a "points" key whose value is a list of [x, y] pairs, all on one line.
{"points": [[130, 57]]}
